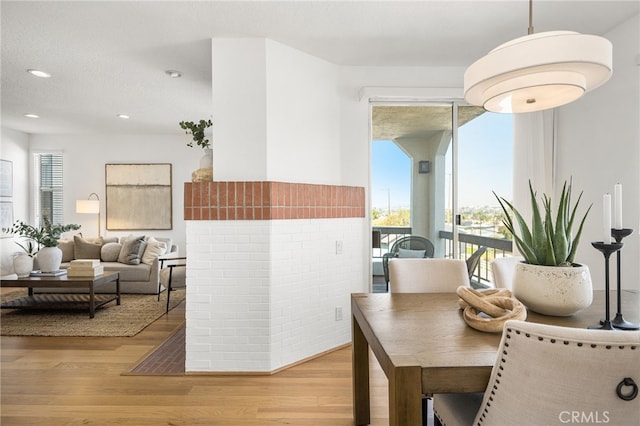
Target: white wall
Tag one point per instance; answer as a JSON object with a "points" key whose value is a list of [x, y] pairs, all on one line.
{"points": [[263, 294], [15, 148], [85, 157], [598, 143], [239, 109], [303, 117]]}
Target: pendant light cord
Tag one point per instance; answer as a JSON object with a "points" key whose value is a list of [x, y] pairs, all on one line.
{"points": [[530, 31]]}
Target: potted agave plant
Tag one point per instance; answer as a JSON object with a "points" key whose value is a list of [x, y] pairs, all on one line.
{"points": [[549, 281]]}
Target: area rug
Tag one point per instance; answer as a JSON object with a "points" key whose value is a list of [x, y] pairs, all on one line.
{"points": [[129, 318], [166, 359]]}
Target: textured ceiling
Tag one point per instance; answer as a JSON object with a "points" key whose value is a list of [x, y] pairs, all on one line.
{"points": [[108, 58]]}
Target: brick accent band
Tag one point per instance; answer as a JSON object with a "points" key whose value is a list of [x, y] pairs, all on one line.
{"points": [[270, 200]]}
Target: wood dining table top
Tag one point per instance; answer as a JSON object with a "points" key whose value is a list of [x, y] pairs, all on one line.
{"points": [[426, 331]]}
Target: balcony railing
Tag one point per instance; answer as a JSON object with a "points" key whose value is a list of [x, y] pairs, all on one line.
{"points": [[384, 237]]}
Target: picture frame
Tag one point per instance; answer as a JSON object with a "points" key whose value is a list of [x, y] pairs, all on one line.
{"points": [[139, 196], [6, 217], [6, 178]]}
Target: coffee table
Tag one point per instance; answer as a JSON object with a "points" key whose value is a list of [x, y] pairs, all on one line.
{"points": [[60, 300]]}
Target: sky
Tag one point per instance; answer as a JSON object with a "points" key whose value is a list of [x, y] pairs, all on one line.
{"points": [[484, 165]]}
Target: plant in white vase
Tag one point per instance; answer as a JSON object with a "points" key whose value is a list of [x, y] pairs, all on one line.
{"points": [[197, 132], [46, 238], [549, 281]]}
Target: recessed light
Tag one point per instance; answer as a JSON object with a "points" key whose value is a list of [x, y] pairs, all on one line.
{"points": [[123, 116], [30, 115], [173, 73], [38, 73]]}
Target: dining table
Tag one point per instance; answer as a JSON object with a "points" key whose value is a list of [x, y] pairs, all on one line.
{"points": [[424, 346]]}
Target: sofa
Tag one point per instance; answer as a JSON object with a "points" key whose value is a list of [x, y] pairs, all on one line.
{"points": [[135, 257]]}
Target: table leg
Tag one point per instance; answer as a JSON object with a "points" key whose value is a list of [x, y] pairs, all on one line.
{"points": [[360, 375], [405, 396], [92, 301], [118, 290]]}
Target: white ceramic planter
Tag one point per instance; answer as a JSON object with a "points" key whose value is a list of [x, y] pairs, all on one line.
{"points": [[49, 259], [206, 161], [553, 290], [22, 265]]}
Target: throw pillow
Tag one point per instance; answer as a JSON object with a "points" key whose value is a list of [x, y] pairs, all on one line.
{"points": [[132, 250], [85, 249], [411, 253], [110, 252], [67, 249], [154, 249]]}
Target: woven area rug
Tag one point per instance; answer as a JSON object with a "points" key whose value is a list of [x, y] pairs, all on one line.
{"points": [[132, 316]]}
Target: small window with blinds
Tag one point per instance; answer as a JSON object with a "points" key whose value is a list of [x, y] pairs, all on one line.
{"points": [[48, 178]]}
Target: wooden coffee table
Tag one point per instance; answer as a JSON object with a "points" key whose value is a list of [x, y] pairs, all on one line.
{"points": [[61, 300]]}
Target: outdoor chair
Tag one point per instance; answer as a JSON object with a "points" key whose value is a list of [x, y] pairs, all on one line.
{"points": [[411, 246], [590, 376], [474, 260], [173, 276]]}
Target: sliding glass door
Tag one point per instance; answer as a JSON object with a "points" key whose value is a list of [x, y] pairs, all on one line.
{"points": [[433, 168]]}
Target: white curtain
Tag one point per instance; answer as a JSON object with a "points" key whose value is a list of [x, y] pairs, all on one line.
{"points": [[533, 157]]}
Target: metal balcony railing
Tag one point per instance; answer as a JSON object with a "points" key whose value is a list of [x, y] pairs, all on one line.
{"points": [[384, 237]]}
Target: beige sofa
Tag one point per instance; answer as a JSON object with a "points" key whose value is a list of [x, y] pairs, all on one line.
{"points": [[134, 257]]}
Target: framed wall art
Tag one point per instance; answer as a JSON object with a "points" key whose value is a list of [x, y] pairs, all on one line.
{"points": [[6, 178], [138, 196], [6, 217]]}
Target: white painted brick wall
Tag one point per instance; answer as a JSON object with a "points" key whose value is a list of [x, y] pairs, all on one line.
{"points": [[262, 294]]}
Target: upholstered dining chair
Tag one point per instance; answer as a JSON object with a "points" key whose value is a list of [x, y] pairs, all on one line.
{"points": [[409, 275], [502, 270], [427, 275], [173, 276], [410, 246], [547, 374]]}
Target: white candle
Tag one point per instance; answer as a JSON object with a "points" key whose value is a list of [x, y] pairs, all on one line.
{"points": [[606, 218], [617, 206]]}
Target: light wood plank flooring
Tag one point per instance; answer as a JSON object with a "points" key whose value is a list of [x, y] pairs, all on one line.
{"points": [[80, 381]]}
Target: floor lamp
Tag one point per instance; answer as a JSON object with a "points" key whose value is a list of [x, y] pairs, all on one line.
{"points": [[90, 206]]}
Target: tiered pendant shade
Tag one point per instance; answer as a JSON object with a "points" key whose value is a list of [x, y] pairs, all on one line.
{"points": [[538, 71]]}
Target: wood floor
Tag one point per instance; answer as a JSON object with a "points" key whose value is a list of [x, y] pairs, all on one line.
{"points": [[80, 381]]}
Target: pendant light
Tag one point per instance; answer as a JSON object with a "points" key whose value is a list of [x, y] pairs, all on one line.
{"points": [[538, 71]]}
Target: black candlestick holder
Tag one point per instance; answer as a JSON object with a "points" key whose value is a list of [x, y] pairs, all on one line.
{"points": [[619, 321], [606, 249]]}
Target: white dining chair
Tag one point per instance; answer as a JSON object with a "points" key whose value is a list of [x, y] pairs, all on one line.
{"points": [[502, 270], [411, 275], [547, 374]]}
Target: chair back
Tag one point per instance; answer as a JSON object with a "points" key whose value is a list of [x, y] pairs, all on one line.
{"points": [[412, 246], [474, 260], [548, 374], [408, 275], [502, 270]]}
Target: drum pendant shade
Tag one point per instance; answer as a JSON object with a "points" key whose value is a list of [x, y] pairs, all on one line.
{"points": [[538, 72]]}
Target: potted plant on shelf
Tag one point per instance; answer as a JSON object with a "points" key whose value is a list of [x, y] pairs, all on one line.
{"points": [[46, 238], [548, 281], [196, 130]]}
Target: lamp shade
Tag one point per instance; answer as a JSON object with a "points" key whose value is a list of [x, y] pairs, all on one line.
{"points": [[87, 206], [538, 71]]}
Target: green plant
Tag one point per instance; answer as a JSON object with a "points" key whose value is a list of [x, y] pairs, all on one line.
{"points": [[46, 235], [197, 131], [547, 242]]}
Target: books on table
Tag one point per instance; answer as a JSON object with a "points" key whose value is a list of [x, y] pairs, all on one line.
{"points": [[83, 268]]}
